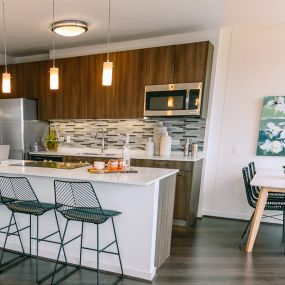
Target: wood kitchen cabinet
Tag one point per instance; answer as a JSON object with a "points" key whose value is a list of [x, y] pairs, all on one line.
{"points": [[70, 100], [74, 86], [101, 99], [191, 62], [187, 190], [81, 94], [184, 63], [160, 65], [50, 101], [27, 81], [130, 82]]}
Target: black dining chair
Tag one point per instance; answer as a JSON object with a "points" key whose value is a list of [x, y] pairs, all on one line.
{"points": [[274, 202]]}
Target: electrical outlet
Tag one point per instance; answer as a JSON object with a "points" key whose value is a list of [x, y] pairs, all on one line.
{"points": [[175, 142], [235, 150]]}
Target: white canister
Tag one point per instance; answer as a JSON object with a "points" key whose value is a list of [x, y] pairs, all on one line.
{"points": [[149, 147], [165, 145]]}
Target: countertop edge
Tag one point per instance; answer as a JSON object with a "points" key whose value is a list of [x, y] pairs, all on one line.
{"points": [[167, 158]]}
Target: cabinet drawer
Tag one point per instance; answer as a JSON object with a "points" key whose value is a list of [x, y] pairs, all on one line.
{"points": [[186, 166]]}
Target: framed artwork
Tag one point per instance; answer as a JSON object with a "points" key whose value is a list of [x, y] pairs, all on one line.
{"points": [[271, 140]]}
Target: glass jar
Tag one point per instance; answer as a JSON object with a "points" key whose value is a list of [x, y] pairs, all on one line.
{"points": [[50, 139]]}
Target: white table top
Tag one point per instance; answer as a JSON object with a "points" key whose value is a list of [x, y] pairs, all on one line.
{"points": [[269, 178], [145, 176]]}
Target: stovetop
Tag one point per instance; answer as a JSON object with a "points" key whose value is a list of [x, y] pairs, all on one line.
{"points": [[52, 164]]}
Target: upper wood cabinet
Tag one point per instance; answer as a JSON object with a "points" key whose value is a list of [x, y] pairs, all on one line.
{"points": [[179, 64], [191, 62], [50, 101], [81, 94], [74, 86], [130, 82], [101, 99], [27, 81], [160, 65]]}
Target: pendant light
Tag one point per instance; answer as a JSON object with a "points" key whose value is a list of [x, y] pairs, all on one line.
{"points": [[53, 71], [108, 65], [6, 77]]}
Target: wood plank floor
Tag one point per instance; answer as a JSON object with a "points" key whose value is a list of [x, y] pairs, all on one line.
{"points": [[206, 254]]}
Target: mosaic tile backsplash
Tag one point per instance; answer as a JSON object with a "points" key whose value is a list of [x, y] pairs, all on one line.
{"points": [[85, 133]]}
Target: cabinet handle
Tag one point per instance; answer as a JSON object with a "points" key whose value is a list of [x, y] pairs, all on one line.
{"points": [[160, 163], [181, 174]]}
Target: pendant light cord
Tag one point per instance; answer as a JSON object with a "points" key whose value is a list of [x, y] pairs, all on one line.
{"points": [[53, 35], [109, 24], [5, 39]]}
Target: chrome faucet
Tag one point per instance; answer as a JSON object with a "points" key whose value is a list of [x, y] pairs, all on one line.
{"points": [[103, 139]]}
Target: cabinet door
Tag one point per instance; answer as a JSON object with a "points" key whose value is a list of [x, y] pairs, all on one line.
{"points": [[130, 83], [49, 100], [12, 69], [74, 72], [191, 62], [160, 65], [183, 185], [101, 99], [27, 80]]}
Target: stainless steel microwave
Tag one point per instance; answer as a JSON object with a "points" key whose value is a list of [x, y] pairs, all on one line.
{"points": [[182, 99]]}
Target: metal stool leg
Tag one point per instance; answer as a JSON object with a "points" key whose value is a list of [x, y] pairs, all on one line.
{"points": [[20, 239], [37, 257], [30, 235], [58, 255], [21, 256], [98, 253], [4, 246], [117, 246], [81, 242]]}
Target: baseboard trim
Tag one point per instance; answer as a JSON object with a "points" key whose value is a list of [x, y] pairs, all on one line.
{"points": [[238, 217]]}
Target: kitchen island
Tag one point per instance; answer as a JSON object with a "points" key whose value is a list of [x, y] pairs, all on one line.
{"points": [[146, 200]]}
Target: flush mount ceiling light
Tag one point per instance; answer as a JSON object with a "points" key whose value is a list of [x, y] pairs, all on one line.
{"points": [[69, 28]]}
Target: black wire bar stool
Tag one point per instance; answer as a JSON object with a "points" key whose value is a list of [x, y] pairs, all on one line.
{"points": [[274, 202], [18, 196], [77, 201]]}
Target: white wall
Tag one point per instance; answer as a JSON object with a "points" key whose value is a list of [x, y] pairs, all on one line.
{"points": [[250, 65]]}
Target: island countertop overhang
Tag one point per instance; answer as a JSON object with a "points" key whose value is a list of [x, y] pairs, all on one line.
{"points": [[144, 177]]}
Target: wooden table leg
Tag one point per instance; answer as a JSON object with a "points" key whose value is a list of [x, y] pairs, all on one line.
{"points": [[262, 198]]}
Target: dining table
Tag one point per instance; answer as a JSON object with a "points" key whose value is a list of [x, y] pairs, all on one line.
{"points": [[267, 181]]}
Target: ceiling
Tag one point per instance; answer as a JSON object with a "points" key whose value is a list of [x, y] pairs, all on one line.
{"points": [[28, 21]]}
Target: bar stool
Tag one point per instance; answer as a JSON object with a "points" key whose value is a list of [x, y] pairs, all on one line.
{"points": [[18, 196], [77, 201]]}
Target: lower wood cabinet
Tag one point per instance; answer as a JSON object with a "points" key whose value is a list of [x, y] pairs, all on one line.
{"points": [[187, 191]]}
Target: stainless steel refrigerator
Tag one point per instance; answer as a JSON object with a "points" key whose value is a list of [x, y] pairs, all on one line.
{"points": [[19, 126]]}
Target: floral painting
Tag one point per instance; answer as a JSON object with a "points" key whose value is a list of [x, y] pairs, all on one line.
{"points": [[271, 141]]}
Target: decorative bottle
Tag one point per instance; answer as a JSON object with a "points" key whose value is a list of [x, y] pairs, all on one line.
{"points": [[126, 154], [158, 132], [149, 147]]}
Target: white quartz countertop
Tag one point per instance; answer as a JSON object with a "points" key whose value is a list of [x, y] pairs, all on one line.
{"points": [[145, 176], [117, 153]]}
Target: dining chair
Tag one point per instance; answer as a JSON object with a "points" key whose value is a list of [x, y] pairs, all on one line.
{"points": [[273, 203]]}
